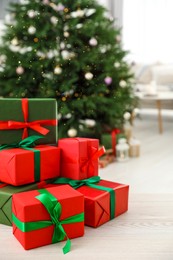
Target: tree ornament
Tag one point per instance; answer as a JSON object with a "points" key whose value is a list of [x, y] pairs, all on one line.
{"points": [[72, 132], [60, 7], [65, 54], [20, 70], [24, 2], [66, 34], [103, 49], [31, 13], [46, 2], [123, 83], [116, 64], [2, 59], [108, 80], [93, 42], [62, 45], [31, 30], [14, 41], [57, 70], [54, 20], [88, 75], [78, 13], [50, 54], [136, 111], [90, 123], [118, 38], [79, 25], [127, 115], [9, 18], [89, 12]]}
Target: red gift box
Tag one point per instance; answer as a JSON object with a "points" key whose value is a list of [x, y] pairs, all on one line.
{"points": [[97, 202], [79, 157], [20, 166], [36, 224], [104, 200]]}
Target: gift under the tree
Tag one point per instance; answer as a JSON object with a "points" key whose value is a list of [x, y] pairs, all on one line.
{"points": [[22, 117], [46, 216], [104, 200], [109, 140], [6, 193], [24, 163], [79, 157]]}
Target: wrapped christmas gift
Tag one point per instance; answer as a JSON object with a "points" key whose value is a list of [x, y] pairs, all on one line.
{"points": [[104, 200], [6, 193], [79, 157], [24, 162], [46, 216], [20, 118]]}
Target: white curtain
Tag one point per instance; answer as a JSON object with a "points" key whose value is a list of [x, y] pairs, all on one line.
{"points": [[147, 30]]}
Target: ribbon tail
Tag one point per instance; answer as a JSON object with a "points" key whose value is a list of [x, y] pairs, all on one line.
{"points": [[38, 128], [67, 246], [25, 133]]}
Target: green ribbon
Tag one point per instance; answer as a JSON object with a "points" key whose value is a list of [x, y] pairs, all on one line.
{"points": [[54, 209], [28, 144], [91, 182]]}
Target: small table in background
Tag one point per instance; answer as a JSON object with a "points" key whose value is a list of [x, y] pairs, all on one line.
{"points": [[157, 98]]}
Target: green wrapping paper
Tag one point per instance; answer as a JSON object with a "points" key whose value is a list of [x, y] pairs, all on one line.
{"points": [[6, 193], [19, 117]]}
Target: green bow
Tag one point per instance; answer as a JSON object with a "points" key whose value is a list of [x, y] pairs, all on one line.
{"points": [[54, 209], [91, 182], [28, 144]]}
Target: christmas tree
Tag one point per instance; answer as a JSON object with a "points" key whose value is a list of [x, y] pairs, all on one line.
{"points": [[72, 51]]}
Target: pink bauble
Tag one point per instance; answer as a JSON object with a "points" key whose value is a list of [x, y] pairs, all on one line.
{"points": [[108, 80], [20, 70]]}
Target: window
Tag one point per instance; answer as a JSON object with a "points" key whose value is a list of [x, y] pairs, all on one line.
{"points": [[147, 30]]}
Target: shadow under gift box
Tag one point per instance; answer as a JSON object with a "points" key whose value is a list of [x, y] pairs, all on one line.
{"points": [[18, 165], [6, 193], [27, 208], [32, 116], [79, 157]]}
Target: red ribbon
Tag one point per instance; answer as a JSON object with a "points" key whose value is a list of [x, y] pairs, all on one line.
{"points": [[114, 132], [87, 163], [35, 125]]}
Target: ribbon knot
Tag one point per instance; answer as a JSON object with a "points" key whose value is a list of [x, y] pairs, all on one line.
{"points": [[77, 183], [28, 142], [88, 163], [37, 125]]}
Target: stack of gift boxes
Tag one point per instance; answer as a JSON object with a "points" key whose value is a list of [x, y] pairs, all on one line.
{"points": [[50, 189]]}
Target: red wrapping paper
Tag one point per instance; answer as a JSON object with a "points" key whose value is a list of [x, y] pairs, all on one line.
{"points": [[17, 165], [97, 202], [76, 158], [28, 209]]}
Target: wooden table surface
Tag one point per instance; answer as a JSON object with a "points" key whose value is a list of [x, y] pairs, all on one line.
{"points": [[144, 232]]}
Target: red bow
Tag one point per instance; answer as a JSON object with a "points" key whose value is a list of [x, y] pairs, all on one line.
{"points": [[35, 125], [87, 163]]}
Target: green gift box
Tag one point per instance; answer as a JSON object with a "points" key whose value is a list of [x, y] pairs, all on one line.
{"points": [[6, 193], [24, 117]]}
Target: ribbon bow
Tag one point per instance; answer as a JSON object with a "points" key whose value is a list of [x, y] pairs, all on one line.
{"points": [[35, 125], [54, 209], [93, 155], [91, 182], [28, 142], [77, 183]]}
